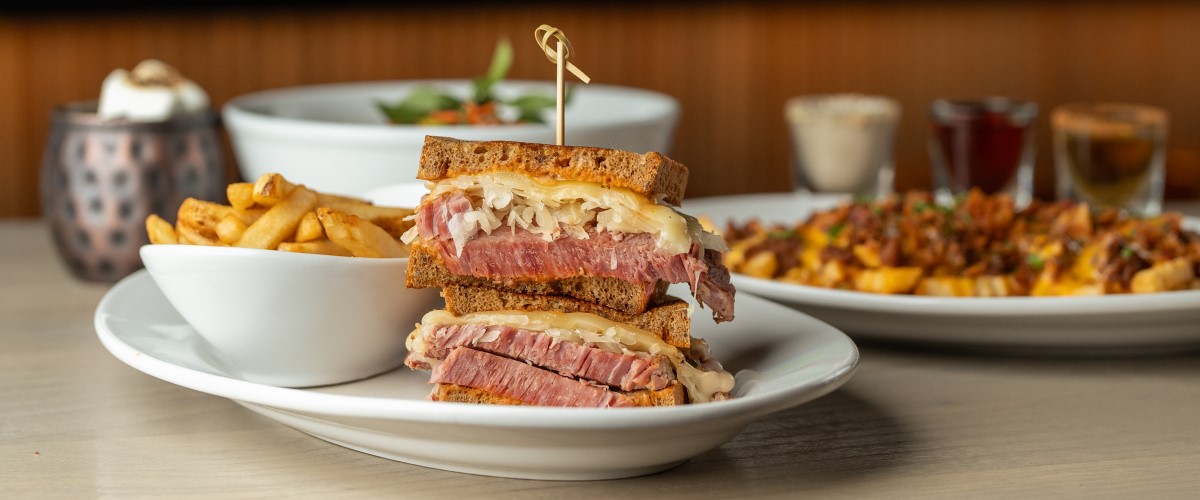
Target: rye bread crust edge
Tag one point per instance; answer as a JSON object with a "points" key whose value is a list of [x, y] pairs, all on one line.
{"points": [[651, 174], [668, 396], [667, 318]]}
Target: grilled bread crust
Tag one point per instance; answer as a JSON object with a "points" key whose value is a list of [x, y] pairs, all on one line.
{"points": [[651, 174], [668, 396]]}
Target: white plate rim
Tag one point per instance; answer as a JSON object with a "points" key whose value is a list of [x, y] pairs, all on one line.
{"points": [[338, 405]]}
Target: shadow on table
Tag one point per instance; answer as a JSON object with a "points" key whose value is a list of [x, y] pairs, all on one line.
{"points": [[1174, 362], [840, 437]]}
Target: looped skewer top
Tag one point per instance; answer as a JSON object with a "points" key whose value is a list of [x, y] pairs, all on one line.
{"points": [[543, 34]]}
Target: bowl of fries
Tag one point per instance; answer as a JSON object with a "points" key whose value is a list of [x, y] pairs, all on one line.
{"points": [[334, 138], [291, 287]]}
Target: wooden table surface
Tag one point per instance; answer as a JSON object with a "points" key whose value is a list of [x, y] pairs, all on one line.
{"points": [[75, 422]]}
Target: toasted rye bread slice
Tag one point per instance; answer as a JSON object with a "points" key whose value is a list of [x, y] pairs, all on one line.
{"points": [[669, 396], [426, 270], [652, 175], [667, 318]]}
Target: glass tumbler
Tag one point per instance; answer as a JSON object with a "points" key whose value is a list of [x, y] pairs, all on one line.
{"points": [[1111, 154], [100, 179], [986, 144], [842, 143]]}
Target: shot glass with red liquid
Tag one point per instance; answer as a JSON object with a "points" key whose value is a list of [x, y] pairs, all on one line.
{"points": [[986, 144]]}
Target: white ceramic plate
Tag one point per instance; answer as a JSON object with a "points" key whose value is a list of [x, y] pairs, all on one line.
{"points": [[781, 358], [1116, 324]]}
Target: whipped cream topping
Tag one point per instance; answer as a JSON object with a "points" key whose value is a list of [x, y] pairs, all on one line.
{"points": [[153, 91]]}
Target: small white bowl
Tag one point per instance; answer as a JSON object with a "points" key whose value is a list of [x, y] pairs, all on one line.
{"points": [[333, 138], [288, 319]]}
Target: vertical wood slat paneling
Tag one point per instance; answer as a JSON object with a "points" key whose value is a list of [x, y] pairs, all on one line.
{"points": [[731, 66]]}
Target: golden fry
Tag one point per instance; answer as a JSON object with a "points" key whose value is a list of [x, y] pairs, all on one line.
{"points": [[230, 229], [241, 195], [324, 247], [310, 228], [192, 236], [160, 231], [761, 265], [390, 219], [360, 237], [250, 215], [197, 221], [279, 223], [271, 189]]}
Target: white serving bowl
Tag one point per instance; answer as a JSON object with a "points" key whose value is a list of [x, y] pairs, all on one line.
{"points": [[289, 319], [332, 137]]}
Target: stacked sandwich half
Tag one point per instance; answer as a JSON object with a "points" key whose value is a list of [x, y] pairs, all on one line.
{"points": [[554, 263]]}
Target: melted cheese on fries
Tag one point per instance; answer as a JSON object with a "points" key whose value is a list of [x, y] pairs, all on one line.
{"points": [[979, 247]]}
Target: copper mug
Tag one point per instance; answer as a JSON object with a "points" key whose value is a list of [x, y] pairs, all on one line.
{"points": [[100, 179]]}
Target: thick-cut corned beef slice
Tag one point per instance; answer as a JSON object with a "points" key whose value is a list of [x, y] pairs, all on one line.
{"points": [[629, 257], [512, 252], [433, 220], [626, 371], [514, 379]]}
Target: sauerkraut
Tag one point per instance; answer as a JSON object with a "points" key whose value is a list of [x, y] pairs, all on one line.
{"points": [[565, 209]]}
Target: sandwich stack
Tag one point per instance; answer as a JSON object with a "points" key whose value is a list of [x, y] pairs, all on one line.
{"points": [[554, 262]]}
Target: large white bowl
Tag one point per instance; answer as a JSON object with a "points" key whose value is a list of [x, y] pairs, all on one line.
{"points": [[288, 319], [332, 137]]}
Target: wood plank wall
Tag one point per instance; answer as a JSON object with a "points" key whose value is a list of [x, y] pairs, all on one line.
{"points": [[732, 65]]}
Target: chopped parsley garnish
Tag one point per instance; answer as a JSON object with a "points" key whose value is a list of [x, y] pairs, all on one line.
{"points": [[835, 230], [782, 234], [921, 206], [1035, 261], [1126, 253]]}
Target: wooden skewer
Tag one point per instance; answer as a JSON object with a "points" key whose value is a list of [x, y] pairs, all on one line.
{"points": [[559, 56], [560, 97]]}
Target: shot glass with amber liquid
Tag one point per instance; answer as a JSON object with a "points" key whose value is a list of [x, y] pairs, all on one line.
{"points": [[1111, 155]]}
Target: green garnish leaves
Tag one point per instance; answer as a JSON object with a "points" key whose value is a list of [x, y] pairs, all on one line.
{"points": [[782, 234], [835, 230], [421, 102], [921, 206], [1035, 261], [1126, 253], [529, 107], [502, 59]]}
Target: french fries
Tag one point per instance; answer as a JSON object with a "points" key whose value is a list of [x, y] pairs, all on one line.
{"points": [[360, 237], [270, 189], [309, 229], [230, 229], [280, 221], [324, 247], [273, 213], [160, 231], [241, 195]]}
